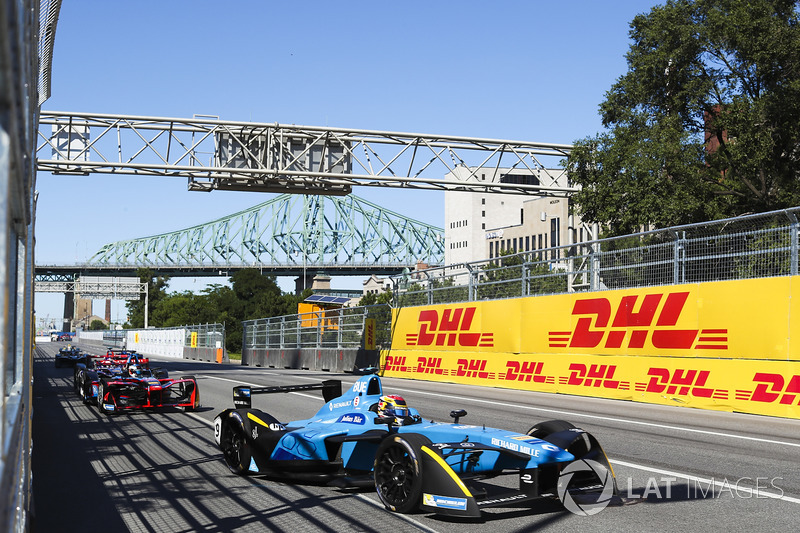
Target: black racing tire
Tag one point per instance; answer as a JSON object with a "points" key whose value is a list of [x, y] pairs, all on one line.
{"points": [[398, 471], [543, 429], [101, 389], [578, 447], [81, 388], [235, 449]]}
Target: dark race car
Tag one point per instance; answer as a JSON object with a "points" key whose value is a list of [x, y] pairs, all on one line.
{"points": [[70, 356], [117, 385], [363, 438]]}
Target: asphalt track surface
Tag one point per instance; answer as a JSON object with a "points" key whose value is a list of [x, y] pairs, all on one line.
{"points": [[677, 469]]}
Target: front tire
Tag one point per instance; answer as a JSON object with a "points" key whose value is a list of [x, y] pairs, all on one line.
{"points": [[235, 450], [398, 471], [101, 391]]}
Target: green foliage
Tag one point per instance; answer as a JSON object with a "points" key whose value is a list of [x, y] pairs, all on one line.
{"points": [[728, 69], [503, 278], [157, 291], [97, 325], [251, 295]]}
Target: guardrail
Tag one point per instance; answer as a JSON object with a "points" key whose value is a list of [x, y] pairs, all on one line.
{"points": [[336, 339], [205, 342]]}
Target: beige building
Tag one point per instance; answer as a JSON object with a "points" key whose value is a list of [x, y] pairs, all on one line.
{"points": [[480, 226]]}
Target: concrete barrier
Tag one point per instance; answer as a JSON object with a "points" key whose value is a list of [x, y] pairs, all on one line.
{"points": [[319, 359]]}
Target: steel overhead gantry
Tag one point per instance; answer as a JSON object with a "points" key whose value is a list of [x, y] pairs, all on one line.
{"points": [[246, 156]]}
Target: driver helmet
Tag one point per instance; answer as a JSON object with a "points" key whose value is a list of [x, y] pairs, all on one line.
{"points": [[392, 405], [134, 370]]}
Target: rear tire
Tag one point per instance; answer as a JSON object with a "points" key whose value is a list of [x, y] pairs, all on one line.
{"points": [[398, 471]]}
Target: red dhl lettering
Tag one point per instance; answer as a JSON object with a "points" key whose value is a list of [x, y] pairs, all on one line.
{"points": [[524, 371], [473, 368], [593, 375], [452, 329], [772, 387], [680, 382], [590, 331], [430, 365], [396, 364]]}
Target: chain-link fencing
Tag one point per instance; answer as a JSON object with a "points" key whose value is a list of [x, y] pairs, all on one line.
{"points": [[752, 246]]}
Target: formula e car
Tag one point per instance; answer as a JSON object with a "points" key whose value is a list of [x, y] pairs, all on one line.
{"points": [[413, 464], [116, 385], [70, 356]]}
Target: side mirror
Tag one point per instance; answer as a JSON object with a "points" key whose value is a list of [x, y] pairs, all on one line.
{"points": [[457, 414], [241, 397]]}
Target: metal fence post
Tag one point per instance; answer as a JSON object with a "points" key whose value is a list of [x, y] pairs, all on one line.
{"points": [[524, 276], [471, 281], [793, 229]]}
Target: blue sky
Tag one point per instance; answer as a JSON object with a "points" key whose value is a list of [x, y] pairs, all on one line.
{"points": [[522, 70]]}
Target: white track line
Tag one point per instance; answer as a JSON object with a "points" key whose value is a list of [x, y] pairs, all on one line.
{"points": [[607, 418], [567, 413], [724, 484]]}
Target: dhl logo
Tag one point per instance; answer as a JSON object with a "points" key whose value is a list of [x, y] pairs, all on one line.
{"points": [[595, 324], [526, 371], [681, 383], [771, 387], [594, 376], [473, 368], [396, 364], [452, 329]]}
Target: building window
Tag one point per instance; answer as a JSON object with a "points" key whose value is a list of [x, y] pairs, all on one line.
{"points": [[483, 226], [527, 242], [483, 201], [519, 179], [555, 234], [483, 213]]}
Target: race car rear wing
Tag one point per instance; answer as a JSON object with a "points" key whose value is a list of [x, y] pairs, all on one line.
{"points": [[331, 388]]}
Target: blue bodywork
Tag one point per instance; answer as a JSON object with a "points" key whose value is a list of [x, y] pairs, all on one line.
{"points": [[343, 440]]}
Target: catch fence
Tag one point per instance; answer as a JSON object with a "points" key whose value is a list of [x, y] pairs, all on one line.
{"points": [[752, 246]]}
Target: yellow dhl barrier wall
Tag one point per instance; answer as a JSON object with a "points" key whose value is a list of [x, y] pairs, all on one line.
{"points": [[721, 345]]}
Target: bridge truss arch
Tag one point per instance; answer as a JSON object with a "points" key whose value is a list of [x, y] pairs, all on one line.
{"points": [[289, 233]]}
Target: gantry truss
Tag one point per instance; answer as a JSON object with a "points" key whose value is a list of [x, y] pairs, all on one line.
{"points": [[289, 234], [214, 154]]}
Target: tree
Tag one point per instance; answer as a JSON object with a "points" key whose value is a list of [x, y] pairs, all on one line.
{"points": [[706, 122], [97, 325], [157, 291]]}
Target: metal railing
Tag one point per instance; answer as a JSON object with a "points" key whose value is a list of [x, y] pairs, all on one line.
{"points": [[207, 335], [335, 328], [752, 246]]}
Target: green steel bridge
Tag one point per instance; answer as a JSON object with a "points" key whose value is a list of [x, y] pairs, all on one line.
{"points": [[289, 235]]}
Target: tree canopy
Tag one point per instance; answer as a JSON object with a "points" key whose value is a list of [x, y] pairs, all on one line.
{"points": [[251, 295], [706, 122]]}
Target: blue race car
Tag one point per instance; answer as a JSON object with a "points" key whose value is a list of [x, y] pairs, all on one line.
{"points": [[363, 437], [70, 356]]}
